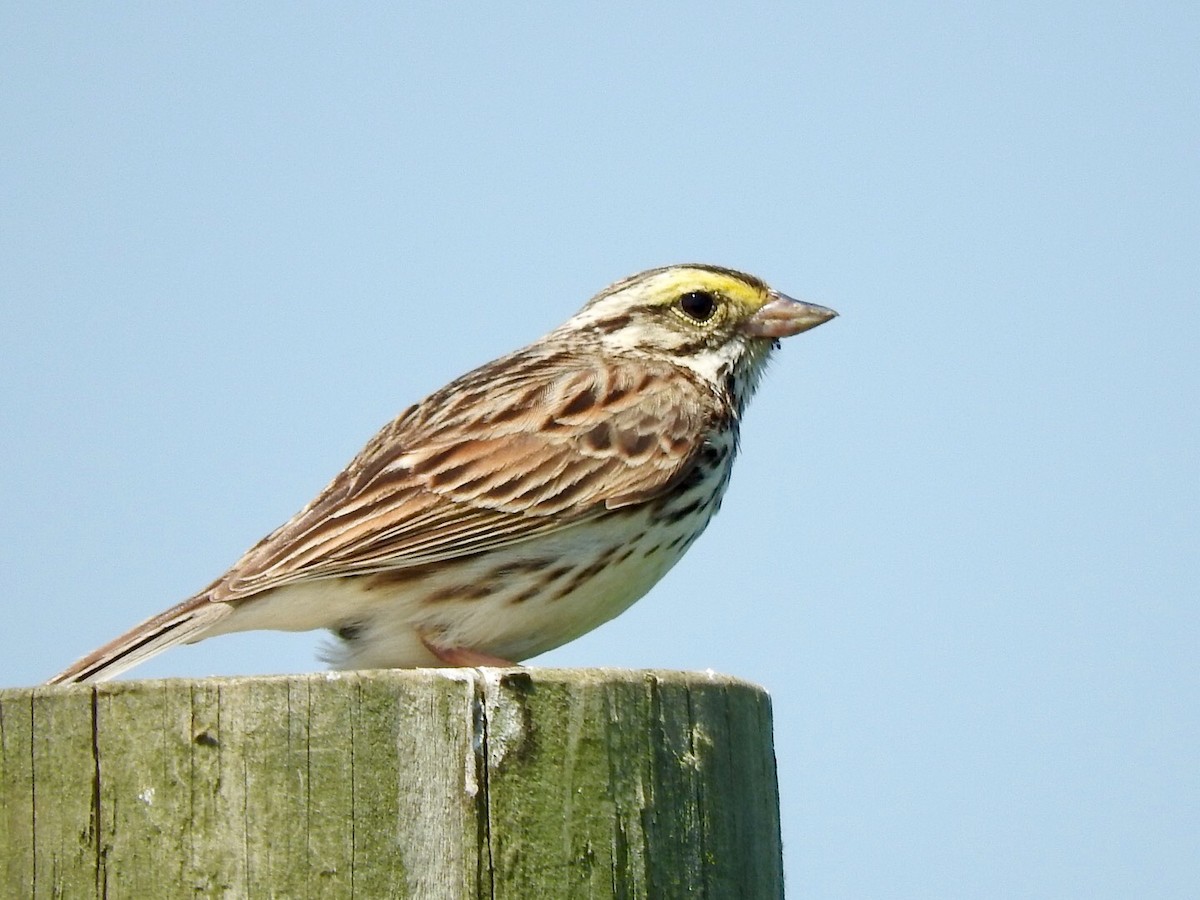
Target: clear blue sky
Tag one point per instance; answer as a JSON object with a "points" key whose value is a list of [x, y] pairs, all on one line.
{"points": [[962, 545]]}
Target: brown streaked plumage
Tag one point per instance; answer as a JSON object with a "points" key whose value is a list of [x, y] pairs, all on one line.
{"points": [[522, 504]]}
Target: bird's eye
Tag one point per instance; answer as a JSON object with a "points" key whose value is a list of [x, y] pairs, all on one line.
{"points": [[698, 305]]}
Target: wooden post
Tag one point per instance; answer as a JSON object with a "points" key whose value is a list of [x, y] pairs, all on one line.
{"points": [[453, 783]]}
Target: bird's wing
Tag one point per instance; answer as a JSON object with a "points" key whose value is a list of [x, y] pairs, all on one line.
{"points": [[521, 447]]}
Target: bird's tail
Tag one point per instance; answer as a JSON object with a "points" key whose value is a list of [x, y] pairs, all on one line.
{"points": [[190, 621]]}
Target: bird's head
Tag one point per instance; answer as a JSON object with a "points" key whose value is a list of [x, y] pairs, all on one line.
{"points": [[720, 323]]}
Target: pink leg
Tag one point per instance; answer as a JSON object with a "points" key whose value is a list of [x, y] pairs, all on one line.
{"points": [[461, 656]]}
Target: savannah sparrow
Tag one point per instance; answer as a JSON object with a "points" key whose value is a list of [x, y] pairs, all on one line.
{"points": [[521, 505]]}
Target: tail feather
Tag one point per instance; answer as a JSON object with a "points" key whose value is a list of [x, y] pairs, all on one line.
{"points": [[190, 621]]}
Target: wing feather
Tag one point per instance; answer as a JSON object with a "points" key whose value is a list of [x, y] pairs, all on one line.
{"points": [[519, 448]]}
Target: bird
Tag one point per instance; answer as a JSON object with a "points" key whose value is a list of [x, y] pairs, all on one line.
{"points": [[523, 504]]}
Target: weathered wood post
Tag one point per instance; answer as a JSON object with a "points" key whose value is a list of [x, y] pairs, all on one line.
{"points": [[456, 783]]}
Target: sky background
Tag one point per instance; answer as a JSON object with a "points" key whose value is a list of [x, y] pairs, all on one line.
{"points": [[962, 544]]}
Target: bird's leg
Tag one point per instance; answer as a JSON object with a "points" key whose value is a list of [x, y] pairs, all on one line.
{"points": [[463, 657]]}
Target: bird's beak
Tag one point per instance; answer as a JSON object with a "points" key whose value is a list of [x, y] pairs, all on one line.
{"points": [[782, 317]]}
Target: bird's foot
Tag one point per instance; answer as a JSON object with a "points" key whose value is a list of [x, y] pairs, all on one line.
{"points": [[464, 657]]}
